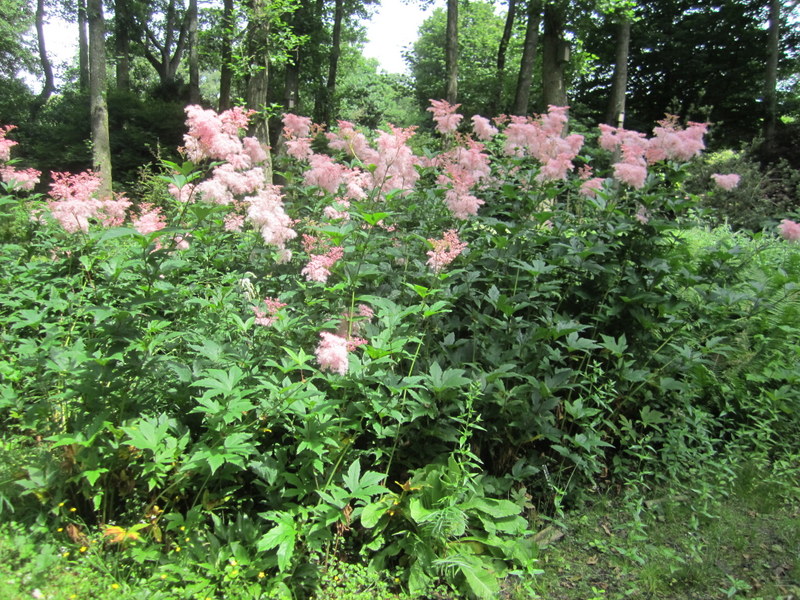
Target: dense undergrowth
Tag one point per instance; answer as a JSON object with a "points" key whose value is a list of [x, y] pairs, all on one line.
{"points": [[398, 361]]}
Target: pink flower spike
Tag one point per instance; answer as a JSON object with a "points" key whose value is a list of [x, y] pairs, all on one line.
{"points": [[445, 115], [445, 250], [726, 182], [332, 353], [789, 230]]}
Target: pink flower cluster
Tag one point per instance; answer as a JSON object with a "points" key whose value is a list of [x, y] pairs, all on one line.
{"points": [[726, 182], [5, 143], [332, 353], [393, 160], [483, 128], [637, 151], [268, 317], [218, 137], [318, 267], [445, 250], [789, 230], [464, 167], [543, 139], [73, 202], [20, 179], [445, 115], [149, 220]]}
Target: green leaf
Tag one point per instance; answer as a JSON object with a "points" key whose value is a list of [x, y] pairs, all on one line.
{"points": [[282, 536]]}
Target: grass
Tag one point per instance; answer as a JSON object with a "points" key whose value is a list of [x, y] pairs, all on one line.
{"points": [[706, 542]]}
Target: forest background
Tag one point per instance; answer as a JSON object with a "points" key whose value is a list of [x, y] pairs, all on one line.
{"points": [[277, 324]]}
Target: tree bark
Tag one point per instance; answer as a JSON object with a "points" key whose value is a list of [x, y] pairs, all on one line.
{"points": [[101, 145], [333, 64], [47, 68], [451, 52], [258, 85], [122, 43], [83, 48], [615, 114], [226, 71], [525, 79], [194, 66], [771, 77], [170, 52], [501, 56], [555, 56]]}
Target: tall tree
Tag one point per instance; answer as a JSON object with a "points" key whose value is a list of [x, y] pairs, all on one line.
{"points": [[615, 113], [194, 63], [49, 85], [525, 78], [258, 33], [165, 40], [101, 146], [123, 26], [771, 77], [555, 55], [333, 63], [226, 71], [83, 47], [451, 52], [501, 55]]}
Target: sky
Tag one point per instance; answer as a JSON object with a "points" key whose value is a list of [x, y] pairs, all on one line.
{"points": [[392, 28]]}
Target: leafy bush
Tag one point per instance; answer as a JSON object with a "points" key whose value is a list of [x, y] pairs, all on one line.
{"points": [[394, 358]]}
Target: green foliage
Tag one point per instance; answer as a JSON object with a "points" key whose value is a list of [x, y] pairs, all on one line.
{"points": [[576, 343]]}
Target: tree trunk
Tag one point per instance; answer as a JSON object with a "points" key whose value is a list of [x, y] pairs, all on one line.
{"points": [[501, 57], [333, 64], [451, 52], [258, 85], [771, 77], [523, 92], [49, 85], [615, 114], [83, 48], [194, 66], [101, 146], [555, 56], [226, 71], [122, 42]]}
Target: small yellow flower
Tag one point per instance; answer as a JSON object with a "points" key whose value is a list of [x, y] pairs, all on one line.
{"points": [[233, 562], [182, 528], [163, 576], [60, 529], [114, 586], [235, 573], [261, 575], [73, 509], [65, 554], [177, 548], [83, 549], [61, 504]]}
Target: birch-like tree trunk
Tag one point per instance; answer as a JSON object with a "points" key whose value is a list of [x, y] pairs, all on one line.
{"points": [[194, 63]]}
